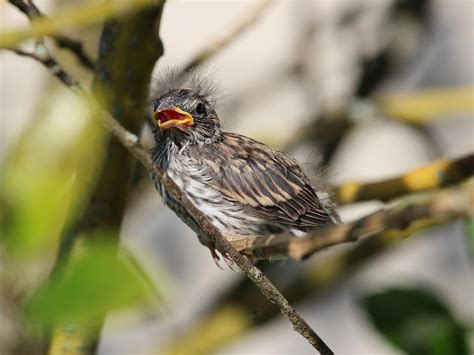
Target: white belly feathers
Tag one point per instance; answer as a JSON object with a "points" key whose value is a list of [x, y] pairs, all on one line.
{"points": [[224, 215]]}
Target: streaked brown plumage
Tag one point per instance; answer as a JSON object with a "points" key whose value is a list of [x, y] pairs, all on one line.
{"points": [[267, 183], [243, 186]]}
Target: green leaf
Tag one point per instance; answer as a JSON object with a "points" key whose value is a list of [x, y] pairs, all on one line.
{"points": [[416, 322], [94, 283]]}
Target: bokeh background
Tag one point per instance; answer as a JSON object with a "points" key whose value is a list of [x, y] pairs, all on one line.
{"points": [[301, 62]]}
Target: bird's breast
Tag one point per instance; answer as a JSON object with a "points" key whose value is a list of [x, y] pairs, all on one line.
{"points": [[193, 177]]}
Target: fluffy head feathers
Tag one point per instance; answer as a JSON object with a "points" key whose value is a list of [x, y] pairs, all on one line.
{"points": [[168, 80]]}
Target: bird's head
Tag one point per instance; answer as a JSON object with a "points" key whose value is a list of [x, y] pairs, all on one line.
{"points": [[186, 115]]}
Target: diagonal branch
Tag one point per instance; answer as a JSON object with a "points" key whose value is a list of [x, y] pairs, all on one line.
{"points": [[130, 141], [42, 55], [76, 47], [410, 215]]}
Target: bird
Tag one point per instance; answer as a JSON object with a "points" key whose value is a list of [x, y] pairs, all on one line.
{"points": [[243, 186]]}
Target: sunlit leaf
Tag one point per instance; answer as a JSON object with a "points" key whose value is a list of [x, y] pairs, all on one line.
{"points": [[416, 322], [92, 284], [48, 170]]}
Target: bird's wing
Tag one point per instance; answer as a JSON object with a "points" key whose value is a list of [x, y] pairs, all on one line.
{"points": [[266, 182]]}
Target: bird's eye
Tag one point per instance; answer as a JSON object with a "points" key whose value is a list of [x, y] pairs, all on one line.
{"points": [[200, 108]]}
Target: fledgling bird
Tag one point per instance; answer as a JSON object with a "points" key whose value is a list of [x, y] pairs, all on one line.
{"points": [[243, 186]]}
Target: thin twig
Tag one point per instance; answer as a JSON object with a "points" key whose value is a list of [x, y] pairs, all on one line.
{"points": [[42, 55], [227, 37], [130, 141], [76, 47], [408, 216]]}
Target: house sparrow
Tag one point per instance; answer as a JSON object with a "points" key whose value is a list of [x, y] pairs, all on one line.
{"points": [[243, 186]]}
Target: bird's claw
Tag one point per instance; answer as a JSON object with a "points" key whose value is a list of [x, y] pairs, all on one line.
{"points": [[216, 258], [229, 262]]}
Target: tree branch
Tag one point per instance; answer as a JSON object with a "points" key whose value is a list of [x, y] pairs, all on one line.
{"points": [[425, 105], [434, 175], [410, 215], [130, 141], [76, 47], [42, 55], [227, 37]]}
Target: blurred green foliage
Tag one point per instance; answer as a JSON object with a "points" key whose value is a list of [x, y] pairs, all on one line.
{"points": [[416, 322], [45, 183], [47, 174], [94, 282]]}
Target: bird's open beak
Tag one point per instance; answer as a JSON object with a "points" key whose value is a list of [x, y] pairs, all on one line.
{"points": [[173, 117]]}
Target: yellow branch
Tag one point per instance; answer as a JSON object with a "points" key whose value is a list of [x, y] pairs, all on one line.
{"points": [[80, 16], [435, 175], [423, 106]]}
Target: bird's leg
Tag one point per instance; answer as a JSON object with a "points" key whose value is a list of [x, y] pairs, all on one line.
{"points": [[240, 242]]}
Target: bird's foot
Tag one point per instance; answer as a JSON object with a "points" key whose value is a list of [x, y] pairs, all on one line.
{"points": [[240, 242], [217, 259], [217, 256]]}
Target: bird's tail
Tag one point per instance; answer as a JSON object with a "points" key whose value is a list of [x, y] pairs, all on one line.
{"points": [[329, 206]]}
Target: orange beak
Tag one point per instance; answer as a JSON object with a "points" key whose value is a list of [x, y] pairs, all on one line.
{"points": [[173, 117]]}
